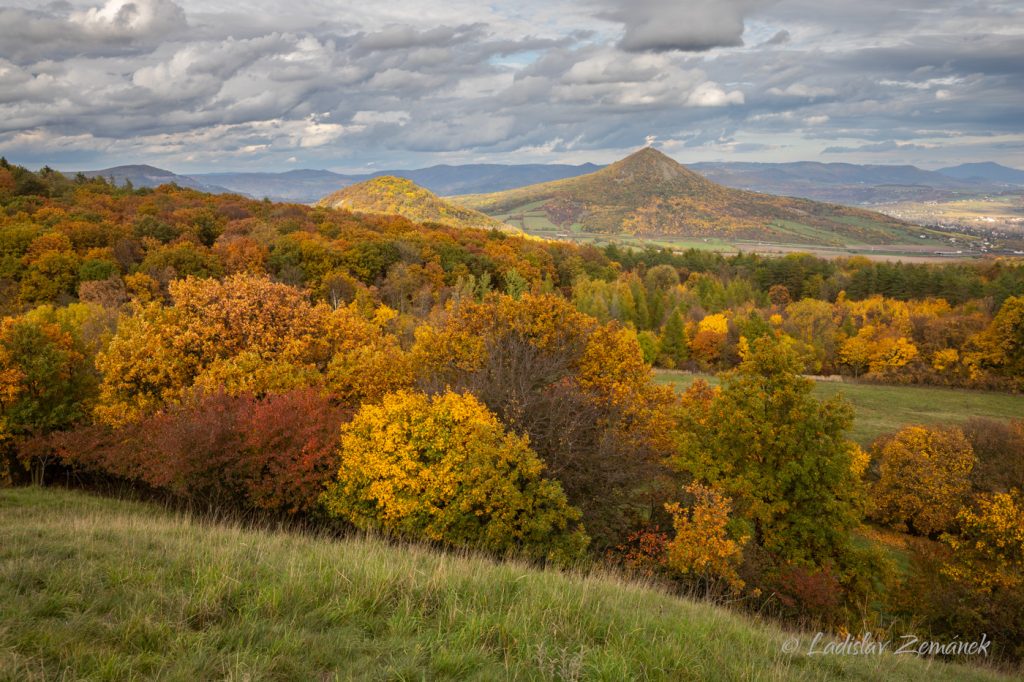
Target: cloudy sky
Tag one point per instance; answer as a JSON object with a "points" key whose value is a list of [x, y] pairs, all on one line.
{"points": [[194, 85]]}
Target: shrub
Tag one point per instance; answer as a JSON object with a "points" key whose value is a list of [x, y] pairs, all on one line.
{"points": [[275, 452], [443, 468], [703, 545], [999, 448]]}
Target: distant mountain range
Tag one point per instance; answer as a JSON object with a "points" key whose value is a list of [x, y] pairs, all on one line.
{"points": [[844, 183], [391, 195], [649, 194], [987, 172], [307, 186], [150, 176]]}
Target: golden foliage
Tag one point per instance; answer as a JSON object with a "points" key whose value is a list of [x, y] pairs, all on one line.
{"points": [[924, 475], [702, 544], [246, 334], [443, 468]]}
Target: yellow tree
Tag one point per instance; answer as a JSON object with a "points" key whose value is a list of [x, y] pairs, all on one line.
{"points": [[579, 389], [924, 476], [244, 333], [444, 469], [1001, 346]]}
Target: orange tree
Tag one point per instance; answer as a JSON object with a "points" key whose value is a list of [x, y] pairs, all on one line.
{"points": [[703, 544], [246, 334], [45, 380], [443, 468]]}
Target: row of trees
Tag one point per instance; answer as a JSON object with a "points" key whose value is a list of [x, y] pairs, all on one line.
{"points": [[698, 324]]}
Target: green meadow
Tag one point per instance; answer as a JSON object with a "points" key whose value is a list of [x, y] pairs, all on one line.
{"points": [[881, 409], [101, 589]]}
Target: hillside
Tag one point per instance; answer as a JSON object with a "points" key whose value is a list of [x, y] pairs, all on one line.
{"points": [[95, 588], [649, 194], [389, 195]]}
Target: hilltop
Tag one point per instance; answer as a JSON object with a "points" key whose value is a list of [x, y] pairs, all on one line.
{"points": [[650, 194], [100, 588], [398, 196]]}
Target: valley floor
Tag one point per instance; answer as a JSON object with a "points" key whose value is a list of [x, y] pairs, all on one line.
{"points": [[94, 588]]}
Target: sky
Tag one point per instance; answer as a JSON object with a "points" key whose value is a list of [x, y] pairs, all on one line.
{"points": [[210, 85]]}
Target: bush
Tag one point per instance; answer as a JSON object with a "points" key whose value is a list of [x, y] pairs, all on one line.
{"points": [[443, 468], [579, 390], [274, 453]]}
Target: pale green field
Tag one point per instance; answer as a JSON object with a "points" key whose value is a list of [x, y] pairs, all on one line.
{"points": [[883, 409], [100, 589]]}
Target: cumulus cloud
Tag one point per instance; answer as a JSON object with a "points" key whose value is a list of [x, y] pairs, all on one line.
{"points": [[116, 27], [131, 18], [711, 95], [802, 90]]}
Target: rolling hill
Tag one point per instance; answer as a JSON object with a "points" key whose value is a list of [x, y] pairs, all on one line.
{"points": [[307, 186], [392, 195], [650, 194]]}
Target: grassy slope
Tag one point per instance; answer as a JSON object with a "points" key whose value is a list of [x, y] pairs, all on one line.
{"points": [[883, 409], [93, 588]]}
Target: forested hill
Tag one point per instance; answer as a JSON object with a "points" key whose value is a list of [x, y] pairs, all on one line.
{"points": [[389, 195], [648, 193]]}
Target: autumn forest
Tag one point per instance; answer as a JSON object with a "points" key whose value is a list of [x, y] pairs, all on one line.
{"points": [[487, 391]]}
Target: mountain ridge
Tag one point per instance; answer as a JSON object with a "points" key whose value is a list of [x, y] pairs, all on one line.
{"points": [[987, 171]]}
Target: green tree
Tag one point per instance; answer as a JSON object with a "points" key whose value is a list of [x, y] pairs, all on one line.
{"points": [[45, 380], [780, 454], [675, 347]]}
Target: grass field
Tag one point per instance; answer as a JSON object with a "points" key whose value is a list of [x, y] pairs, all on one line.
{"points": [[100, 589], [883, 409]]}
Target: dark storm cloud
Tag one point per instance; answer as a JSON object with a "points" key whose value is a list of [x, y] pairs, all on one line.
{"points": [[693, 25]]}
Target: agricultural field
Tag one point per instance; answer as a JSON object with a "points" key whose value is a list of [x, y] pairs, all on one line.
{"points": [[94, 588], [987, 212], [882, 409]]}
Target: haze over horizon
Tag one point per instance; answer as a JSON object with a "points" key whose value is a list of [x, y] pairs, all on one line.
{"points": [[200, 87]]}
